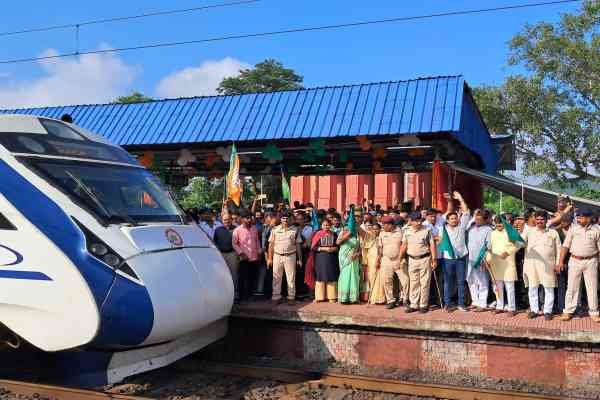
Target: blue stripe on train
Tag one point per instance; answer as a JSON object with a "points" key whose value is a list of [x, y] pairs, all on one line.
{"points": [[126, 314]]}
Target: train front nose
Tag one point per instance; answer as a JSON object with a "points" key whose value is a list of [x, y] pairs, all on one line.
{"points": [[189, 286]]}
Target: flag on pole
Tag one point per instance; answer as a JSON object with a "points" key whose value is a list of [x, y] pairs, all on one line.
{"points": [[436, 170], [446, 244], [513, 234], [480, 256], [314, 220], [234, 185], [285, 188], [351, 222]]}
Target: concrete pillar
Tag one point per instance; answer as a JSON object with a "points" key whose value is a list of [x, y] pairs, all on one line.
{"points": [[339, 189], [314, 190], [353, 190], [327, 196]]}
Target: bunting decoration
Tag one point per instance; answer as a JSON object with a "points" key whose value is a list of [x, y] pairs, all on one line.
{"points": [[185, 157], [211, 159], [147, 159], [364, 143], [272, 154], [234, 185]]}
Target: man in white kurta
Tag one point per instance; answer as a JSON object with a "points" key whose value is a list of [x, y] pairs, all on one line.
{"points": [[542, 254]]}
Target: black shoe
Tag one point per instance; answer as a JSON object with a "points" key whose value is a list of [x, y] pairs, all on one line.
{"points": [[531, 315], [423, 310], [399, 303], [409, 309], [390, 306], [548, 317], [291, 302]]}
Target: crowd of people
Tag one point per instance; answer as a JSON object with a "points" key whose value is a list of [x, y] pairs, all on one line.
{"points": [[459, 259]]}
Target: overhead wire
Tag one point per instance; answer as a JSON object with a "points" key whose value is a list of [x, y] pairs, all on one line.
{"points": [[126, 18], [289, 31]]}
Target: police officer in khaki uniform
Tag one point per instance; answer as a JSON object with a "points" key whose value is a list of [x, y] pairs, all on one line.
{"points": [[419, 244], [583, 242], [285, 254], [389, 243]]}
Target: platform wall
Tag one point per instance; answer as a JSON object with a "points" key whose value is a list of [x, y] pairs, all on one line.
{"points": [[551, 364]]}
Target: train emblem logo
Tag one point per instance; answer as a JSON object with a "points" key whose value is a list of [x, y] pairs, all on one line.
{"points": [[173, 237]]}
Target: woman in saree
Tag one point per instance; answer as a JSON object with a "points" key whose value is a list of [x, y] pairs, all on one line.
{"points": [[349, 261], [324, 250]]}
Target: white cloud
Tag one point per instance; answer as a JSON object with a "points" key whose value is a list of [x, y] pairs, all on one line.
{"points": [[91, 78], [199, 81]]}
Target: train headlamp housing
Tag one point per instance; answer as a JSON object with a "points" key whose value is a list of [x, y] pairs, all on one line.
{"points": [[102, 252]]}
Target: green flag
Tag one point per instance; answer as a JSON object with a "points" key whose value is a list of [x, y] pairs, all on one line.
{"points": [[285, 188], [351, 222], [513, 234], [445, 244], [480, 256]]}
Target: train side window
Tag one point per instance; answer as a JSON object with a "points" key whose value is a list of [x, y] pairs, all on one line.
{"points": [[5, 224]]}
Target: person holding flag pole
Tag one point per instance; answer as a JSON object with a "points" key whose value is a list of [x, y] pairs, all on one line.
{"points": [[505, 241], [478, 235], [453, 246]]}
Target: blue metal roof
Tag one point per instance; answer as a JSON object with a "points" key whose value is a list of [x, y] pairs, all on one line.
{"points": [[419, 106]]}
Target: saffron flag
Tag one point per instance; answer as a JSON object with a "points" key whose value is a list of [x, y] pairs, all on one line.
{"points": [[234, 185], [445, 244], [285, 188]]}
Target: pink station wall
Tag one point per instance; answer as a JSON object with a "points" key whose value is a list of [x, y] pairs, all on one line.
{"points": [[384, 189]]}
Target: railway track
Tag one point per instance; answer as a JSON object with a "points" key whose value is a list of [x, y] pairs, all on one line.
{"points": [[291, 376], [39, 391]]}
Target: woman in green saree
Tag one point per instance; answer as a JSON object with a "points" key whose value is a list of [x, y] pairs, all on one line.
{"points": [[349, 261]]}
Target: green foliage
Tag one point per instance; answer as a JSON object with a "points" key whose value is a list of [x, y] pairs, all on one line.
{"points": [[134, 97], [209, 192], [267, 76], [505, 203], [202, 192], [554, 110], [587, 192]]}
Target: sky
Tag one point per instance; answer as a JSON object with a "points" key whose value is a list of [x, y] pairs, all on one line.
{"points": [[472, 45]]}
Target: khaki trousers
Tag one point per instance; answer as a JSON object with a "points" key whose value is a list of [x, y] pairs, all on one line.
{"points": [[287, 265], [325, 291], [419, 272], [589, 270], [233, 262], [389, 268]]}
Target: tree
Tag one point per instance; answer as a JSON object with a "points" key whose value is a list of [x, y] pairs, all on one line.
{"points": [[134, 97], [267, 76], [492, 200], [554, 110]]}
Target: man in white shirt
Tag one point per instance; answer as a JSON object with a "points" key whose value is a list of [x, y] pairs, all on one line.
{"points": [[454, 265]]}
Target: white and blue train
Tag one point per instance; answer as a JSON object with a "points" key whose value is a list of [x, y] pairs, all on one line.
{"points": [[96, 258]]}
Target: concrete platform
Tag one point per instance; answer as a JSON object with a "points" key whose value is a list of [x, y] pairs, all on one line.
{"points": [[478, 346], [578, 330]]}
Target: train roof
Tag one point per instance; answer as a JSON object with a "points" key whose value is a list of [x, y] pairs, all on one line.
{"points": [[33, 124]]}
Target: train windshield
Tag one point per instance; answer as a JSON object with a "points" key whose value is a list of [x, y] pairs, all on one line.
{"points": [[116, 194]]}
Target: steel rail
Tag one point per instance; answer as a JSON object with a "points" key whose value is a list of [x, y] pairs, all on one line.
{"points": [[369, 383], [60, 392]]}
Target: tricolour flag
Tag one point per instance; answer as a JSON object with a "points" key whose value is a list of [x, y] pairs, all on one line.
{"points": [[445, 244], [234, 185]]}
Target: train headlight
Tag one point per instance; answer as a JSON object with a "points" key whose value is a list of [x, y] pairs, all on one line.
{"points": [[112, 260], [98, 249]]}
